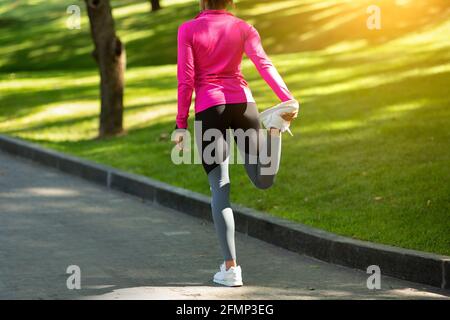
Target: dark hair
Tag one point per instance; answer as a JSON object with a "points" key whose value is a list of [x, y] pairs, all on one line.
{"points": [[219, 4]]}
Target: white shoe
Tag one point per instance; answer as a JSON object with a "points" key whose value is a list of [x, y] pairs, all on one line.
{"points": [[271, 118], [230, 278]]}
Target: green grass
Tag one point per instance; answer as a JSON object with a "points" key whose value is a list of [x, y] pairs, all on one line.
{"points": [[370, 154]]}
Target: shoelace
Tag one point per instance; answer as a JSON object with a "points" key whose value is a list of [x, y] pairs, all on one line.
{"points": [[285, 127]]}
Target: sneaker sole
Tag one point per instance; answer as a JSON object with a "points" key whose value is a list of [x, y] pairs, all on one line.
{"points": [[276, 108], [228, 284]]}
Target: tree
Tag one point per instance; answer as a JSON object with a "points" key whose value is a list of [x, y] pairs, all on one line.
{"points": [[155, 5], [109, 53]]}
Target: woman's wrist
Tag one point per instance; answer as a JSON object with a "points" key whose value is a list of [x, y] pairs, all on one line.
{"points": [[179, 128]]}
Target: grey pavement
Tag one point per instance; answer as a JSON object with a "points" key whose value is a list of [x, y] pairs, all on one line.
{"points": [[130, 249]]}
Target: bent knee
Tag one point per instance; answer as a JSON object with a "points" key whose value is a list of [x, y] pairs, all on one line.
{"points": [[263, 185]]}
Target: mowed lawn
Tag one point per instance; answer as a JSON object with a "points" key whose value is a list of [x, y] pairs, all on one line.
{"points": [[370, 154]]}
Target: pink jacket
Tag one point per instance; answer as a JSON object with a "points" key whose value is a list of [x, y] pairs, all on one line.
{"points": [[210, 50]]}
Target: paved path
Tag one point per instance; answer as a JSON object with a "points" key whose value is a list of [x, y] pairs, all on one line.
{"points": [[129, 249]]}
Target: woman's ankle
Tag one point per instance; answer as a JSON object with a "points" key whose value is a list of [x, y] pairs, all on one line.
{"points": [[230, 263]]}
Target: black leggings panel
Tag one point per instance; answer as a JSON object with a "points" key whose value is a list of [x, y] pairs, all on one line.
{"points": [[222, 117]]}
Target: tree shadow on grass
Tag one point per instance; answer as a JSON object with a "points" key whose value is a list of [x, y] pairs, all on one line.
{"points": [[310, 26], [20, 104], [301, 26], [388, 64], [64, 124], [47, 45]]}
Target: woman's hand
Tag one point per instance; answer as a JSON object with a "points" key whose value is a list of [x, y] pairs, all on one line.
{"points": [[288, 116], [178, 138]]}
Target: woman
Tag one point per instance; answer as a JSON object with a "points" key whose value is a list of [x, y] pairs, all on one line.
{"points": [[210, 50]]}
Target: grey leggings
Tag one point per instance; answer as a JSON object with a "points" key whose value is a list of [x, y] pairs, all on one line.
{"points": [[259, 151]]}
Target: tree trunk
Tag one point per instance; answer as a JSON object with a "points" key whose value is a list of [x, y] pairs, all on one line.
{"points": [[155, 5], [109, 53]]}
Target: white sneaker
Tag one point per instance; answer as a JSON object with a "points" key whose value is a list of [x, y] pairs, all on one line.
{"points": [[231, 277], [271, 118]]}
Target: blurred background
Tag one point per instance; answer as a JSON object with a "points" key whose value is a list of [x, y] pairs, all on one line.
{"points": [[370, 154]]}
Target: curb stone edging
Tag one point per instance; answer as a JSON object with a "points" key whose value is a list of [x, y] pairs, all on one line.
{"points": [[411, 265]]}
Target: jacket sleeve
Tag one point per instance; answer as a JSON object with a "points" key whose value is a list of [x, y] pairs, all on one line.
{"points": [[254, 50], [185, 76]]}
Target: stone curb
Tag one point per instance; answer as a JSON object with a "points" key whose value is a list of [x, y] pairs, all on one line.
{"points": [[416, 266]]}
